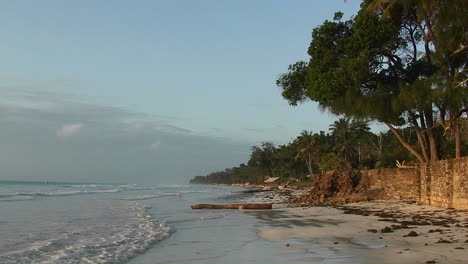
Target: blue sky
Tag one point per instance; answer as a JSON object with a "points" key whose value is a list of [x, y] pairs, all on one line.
{"points": [[205, 68]]}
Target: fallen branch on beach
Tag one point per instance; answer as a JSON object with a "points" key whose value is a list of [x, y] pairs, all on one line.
{"points": [[233, 206]]}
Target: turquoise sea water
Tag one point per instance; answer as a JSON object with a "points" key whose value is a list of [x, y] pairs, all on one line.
{"points": [[105, 223]]}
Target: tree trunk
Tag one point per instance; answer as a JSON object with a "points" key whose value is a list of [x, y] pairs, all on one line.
{"points": [[405, 144], [433, 145], [309, 165], [434, 152], [457, 135], [422, 143], [420, 135]]}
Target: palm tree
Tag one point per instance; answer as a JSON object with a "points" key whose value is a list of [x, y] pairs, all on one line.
{"points": [[348, 135], [306, 149], [341, 130]]}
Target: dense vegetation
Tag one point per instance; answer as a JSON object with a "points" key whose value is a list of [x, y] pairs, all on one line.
{"points": [[348, 143], [398, 62]]}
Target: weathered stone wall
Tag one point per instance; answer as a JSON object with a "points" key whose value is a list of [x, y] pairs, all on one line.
{"points": [[394, 183], [444, 183]]}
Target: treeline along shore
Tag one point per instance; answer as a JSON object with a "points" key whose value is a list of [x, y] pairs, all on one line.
{"points": [[349, 144]]}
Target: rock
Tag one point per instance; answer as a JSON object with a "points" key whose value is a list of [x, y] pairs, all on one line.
{"points": [[459, 248], [372, 230], [386, 230], [287, 245], [444, 241], [411, 234], [431, 262]]}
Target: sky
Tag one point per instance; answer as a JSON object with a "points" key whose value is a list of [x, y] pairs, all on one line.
{"points": [[149, 91]]}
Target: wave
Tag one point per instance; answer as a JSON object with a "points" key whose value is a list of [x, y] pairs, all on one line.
{"points": [[80, 189], [176, 186], [23, 196], [151, 196], [100, 186], [12, 198], [66, 192], [201, 191], [128, 233]]}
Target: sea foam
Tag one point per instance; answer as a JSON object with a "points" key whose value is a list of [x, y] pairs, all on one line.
{"points": [[127, 230]]}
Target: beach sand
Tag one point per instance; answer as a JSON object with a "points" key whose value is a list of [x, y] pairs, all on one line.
{"points": [[370, 232], [366, 232]]}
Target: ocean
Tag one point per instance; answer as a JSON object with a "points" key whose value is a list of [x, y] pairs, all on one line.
{"points": [[44, 222]]}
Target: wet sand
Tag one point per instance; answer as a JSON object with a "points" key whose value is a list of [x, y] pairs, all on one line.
{"points": [[370, 232], [367, 232]]}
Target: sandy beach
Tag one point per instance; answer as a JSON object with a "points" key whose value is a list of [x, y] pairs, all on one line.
{"points": [[382, 231]]}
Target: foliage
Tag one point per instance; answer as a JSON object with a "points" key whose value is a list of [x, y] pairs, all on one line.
{"points": [[400, 62], [311, 153], [329, 161]]}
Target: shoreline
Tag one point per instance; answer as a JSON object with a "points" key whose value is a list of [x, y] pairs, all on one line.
{"points": [[379, 231]]}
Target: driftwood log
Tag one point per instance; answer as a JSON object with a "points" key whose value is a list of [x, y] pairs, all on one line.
{"points": [[233, 206]]}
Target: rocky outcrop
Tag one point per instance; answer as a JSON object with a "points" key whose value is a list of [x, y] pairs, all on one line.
{"points": [[339, 187]]}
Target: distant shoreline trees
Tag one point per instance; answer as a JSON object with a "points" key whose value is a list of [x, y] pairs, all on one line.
{"points": [[349, 144]]}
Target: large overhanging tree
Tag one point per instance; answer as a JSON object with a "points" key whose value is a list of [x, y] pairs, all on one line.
{"points": [[400, 62]]}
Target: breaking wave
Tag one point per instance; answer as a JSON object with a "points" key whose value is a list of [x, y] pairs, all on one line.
{"points": [[124, 232]]}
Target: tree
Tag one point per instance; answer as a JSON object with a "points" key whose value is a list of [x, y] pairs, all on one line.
{"points": [[306, 149], [374, 68], [312, 151], [348, 135], [443, 27], [329, 161], [341, 130], [265, 158]]}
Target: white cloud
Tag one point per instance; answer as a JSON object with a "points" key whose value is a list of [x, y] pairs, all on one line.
{"points": [[138, 127], [69, 130], [155, 146]]}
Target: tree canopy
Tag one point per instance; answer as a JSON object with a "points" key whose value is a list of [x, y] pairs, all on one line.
{"points": [[400, 62]]}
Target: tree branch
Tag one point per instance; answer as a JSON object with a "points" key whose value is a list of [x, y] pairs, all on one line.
{"points": [[404, 143]]}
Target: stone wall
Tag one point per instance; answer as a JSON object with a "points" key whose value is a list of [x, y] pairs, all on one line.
{"points": [[394, 183], [444, 183]]}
